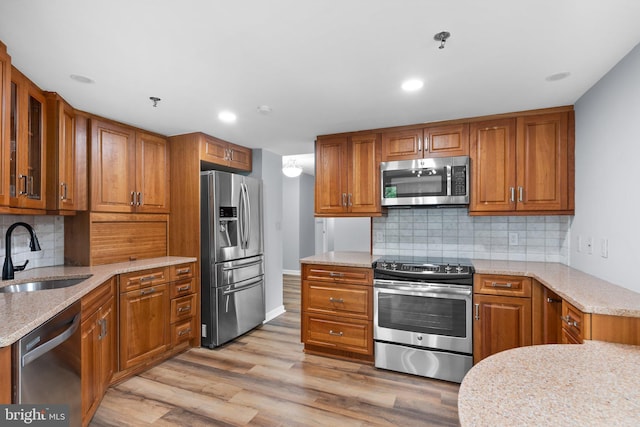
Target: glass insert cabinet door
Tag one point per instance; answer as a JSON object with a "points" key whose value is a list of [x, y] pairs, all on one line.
{"points": [[26, 145]]}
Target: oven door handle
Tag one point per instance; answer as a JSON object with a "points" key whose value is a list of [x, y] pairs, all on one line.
{"points": [[398, 288]]}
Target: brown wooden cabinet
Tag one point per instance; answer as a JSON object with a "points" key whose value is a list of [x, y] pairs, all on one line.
{"points": [[5, 375], [546, 311], [99, 334], [435, 141], [144, 326], [5, 116], [502, 314], [522, 165], [347, 181], [223, 153], [129, 170], [66, 164], [337, 311], [576, 325], [184, 306], [27, 150]]}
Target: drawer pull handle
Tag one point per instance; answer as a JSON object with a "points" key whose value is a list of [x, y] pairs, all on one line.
{"points": [[184, 332], [477, 311], [334, 274], [182, 271], [184, 288], [502, 285], [569, 321], [332, 299], [148, 278], [183, 309], [335, 334], [553, 300], [147, 291]]}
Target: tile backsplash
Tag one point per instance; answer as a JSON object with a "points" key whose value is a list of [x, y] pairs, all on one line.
{"points": [[50, 233], [451, 232]]}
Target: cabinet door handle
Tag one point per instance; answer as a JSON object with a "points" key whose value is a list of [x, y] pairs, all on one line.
{"points": [[419, 144], [349, 198], [147, 291], [183, 309], [63, 191], [332, 299], [132, 202], [520, 194], [139, 199], [477, 311], [553, 300], [512, 190], [334, 333], [344, 199], [24, 185], [502, 285], [148, 278], [184, 288], [184, 332], [569, 321], [335, 274]]}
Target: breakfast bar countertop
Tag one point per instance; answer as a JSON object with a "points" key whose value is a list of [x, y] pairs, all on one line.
{"points": [[595, 383], [22, 312]]}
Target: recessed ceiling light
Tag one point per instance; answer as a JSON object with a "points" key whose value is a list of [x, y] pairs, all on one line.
{"points": [[81, 79], [557, 76], [412, 85], [227, 116], [264, 109]]}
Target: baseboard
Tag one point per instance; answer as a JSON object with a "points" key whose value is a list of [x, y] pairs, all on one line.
{"points": [[274, 313], [291, 272]]}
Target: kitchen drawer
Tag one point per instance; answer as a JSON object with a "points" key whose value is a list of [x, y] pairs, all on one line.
{"points": [[143, 278], [182, 287], [183, 307], [345, 300], [575, 323], [182, 271], [515, 286], [183, 331], [338, 333], [337, 274], [97, 298]]}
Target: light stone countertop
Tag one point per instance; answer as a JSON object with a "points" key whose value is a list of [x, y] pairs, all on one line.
{"points": [[22, 312], [346, 259], [593, 384]]}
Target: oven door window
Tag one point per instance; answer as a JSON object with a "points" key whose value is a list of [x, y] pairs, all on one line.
{"points": [[420, 182], [435, 316]]}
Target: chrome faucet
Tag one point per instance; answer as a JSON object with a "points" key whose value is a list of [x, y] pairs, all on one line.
{"points": [[34, 245]]}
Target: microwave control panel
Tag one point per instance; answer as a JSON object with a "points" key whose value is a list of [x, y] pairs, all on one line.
{"points": [[459, 181]]}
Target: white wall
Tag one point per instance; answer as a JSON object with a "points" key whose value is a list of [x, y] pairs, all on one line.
{"points": [[298, 221], [268, 167], [608, 175]]}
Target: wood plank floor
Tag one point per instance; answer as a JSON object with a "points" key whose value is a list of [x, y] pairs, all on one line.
{"points": [[264, 379]]}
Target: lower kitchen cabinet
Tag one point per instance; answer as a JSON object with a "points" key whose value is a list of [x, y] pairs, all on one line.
{"points": [[500, 320], [337, 311], [99, 331], [5, 375], [576, 325], [546, 311]]}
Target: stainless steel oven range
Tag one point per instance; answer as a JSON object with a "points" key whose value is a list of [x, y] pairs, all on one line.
{"points": [[423, 317]]}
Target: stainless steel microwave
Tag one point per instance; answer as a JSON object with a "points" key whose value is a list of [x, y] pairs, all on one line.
{"points": [[432, 181]]}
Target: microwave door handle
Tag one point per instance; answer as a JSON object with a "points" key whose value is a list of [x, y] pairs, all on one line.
{"points": [[449, 191]]}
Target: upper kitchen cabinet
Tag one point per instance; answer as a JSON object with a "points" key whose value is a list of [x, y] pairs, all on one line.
{"points": [[523, 165], [436, 141], [27, 149], [5, 115], [347, 179], [129, 170], [66, 164], [223, 153]]}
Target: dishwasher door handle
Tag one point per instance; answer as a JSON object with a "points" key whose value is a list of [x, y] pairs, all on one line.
{"points": [[52, 343]]}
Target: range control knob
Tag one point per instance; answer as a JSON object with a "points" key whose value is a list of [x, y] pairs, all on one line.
{"points": [[394, 266], [447, 268], [459, 268]]}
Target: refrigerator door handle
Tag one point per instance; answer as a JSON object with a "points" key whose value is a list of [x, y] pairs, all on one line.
{"points": [[242, 223], [243, 265], [247, 216]]}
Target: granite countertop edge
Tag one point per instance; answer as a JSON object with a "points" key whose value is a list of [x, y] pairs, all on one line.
{"points": [[22, 312]]}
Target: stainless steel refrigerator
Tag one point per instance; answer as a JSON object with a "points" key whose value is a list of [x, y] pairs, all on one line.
{"points": [[232, 262]]}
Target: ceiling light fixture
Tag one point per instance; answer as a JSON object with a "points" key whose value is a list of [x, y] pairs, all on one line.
{"points": [[227, 116], [155, 100], [291, 169], [442, 37], [264, 109], [81, 79], [412, 85]]}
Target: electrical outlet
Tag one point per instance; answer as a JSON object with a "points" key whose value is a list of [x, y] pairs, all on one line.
{"points": [[379, 237], [604, 247], [513, 239]]}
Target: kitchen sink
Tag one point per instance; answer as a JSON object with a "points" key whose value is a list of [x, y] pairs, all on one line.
{"points": [[43, 284]]}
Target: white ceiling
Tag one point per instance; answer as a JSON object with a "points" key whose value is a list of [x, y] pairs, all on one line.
{"points": [[323, 66]]}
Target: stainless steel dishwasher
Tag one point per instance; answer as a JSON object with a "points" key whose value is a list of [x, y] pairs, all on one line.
{"points": [[47, 364]]}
